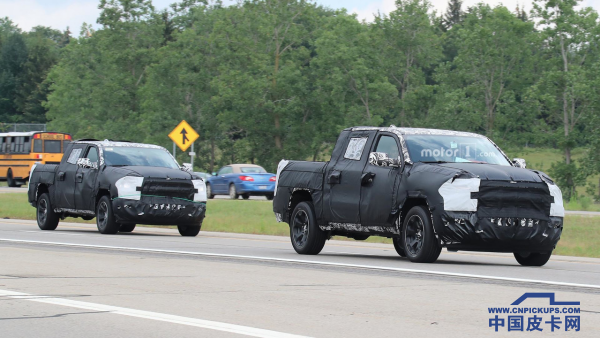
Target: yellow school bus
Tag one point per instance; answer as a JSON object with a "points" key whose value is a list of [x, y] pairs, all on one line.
{"points": [[20, 150]]}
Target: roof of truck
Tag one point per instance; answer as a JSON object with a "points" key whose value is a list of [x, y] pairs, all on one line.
{"points": [[109, 143], [418, 131]]}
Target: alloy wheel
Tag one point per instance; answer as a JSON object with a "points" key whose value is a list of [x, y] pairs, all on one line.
{"points": [[414, 234], [300, 228]]}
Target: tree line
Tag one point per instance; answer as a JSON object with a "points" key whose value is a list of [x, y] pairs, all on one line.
{"points": [[263, 80]]}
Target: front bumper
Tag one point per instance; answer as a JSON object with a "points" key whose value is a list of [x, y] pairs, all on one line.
{"points": [[157, 210], [466, 231]]}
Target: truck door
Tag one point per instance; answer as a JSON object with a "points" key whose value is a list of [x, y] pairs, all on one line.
{"points": [[85, 181], [64, 197], [379, 194], [343, 179]]}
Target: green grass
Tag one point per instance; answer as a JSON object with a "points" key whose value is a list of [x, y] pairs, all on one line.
{"points": [[580, 237]]}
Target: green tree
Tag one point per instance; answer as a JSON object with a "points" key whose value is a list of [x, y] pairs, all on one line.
{"points": [[350, 74], [486, 75], [95, 87], [566, 89], [408, 46], [13, 55], [454, 14]]}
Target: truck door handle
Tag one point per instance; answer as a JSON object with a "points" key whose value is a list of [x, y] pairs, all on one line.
{"points": [[367, 178], [79, 178], [61, 176], [335, 177]]}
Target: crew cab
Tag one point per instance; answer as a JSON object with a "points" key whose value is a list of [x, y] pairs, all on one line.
{"points": [[121, 184], [424, 188]]}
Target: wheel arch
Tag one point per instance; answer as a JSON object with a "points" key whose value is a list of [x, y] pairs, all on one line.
{"points": [[297, 197]]}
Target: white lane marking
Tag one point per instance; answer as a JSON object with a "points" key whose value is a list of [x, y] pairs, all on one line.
{"points": [[287, 260], [206, 324]]}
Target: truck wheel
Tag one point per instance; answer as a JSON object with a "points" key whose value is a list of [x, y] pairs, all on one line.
{"points": [[126, 227], [105, 219], [532, 258], [399, 247], [47, 219], [10, 181], [209, 193], [307, 238], [232, 192], [270, 197], [188, 230], [420, 245]]}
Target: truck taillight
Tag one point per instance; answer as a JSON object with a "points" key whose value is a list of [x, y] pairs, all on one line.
{"points": [[246, 178], [273, 179]]}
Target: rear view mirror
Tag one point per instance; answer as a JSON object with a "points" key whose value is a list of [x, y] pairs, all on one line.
{"points": [[519, 162], [214, 173], [383, 160]]}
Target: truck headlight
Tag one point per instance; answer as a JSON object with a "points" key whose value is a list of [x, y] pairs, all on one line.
{"points": [[200, 186], [127, 187]]}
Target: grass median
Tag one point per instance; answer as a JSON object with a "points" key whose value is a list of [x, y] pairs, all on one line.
{"points": [[580, 236]]}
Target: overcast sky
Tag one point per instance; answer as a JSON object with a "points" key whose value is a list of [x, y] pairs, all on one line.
{"points": [[62, 13]]}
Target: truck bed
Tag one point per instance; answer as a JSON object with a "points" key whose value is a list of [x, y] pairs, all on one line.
{"points": [[298, 175]]}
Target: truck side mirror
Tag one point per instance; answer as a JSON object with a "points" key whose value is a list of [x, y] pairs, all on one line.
{"points": [[187, 167], [87, 163], [383, 160], [520, 163]]}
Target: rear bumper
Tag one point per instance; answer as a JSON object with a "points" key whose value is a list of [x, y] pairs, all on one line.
{"points": [[260, 188], [465, 231], [156, 210]]}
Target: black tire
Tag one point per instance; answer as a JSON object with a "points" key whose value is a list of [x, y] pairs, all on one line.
{"points": [[232, 192], [419, 242], [532, 258], [209, 193], [10, 181], [399, 246], [105, 218], [270, 197], [126, 227], [306, 236], [47, 219], [245, 196], [188, 230]]}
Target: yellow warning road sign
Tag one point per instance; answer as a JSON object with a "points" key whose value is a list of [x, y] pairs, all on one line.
{"points": [[183, 135]]}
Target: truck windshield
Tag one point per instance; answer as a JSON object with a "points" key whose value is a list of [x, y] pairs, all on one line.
{"points": [[450, 148], [138, 156]]}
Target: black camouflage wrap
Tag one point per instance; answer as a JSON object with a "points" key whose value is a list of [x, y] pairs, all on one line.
{"points": [[510, 206], [166, 194]]}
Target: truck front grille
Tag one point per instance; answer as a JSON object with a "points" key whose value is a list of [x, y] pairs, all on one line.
{"points": [[169, 188], [523, 200]]}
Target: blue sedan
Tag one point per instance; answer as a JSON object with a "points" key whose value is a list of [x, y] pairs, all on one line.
{"points": [[243, 180]]}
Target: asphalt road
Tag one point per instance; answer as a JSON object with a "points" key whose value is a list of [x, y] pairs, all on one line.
{"points": [[75, 282]]}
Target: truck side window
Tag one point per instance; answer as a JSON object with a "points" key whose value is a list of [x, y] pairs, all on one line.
{"points": [[388, 145], [92, 154], [355, 148], [74, 156]]}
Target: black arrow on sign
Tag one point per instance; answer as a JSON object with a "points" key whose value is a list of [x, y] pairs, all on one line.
{"points": [[184, 136]]}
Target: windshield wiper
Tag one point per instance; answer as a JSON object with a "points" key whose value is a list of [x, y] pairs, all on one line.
{"points": [[436, 162]]}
